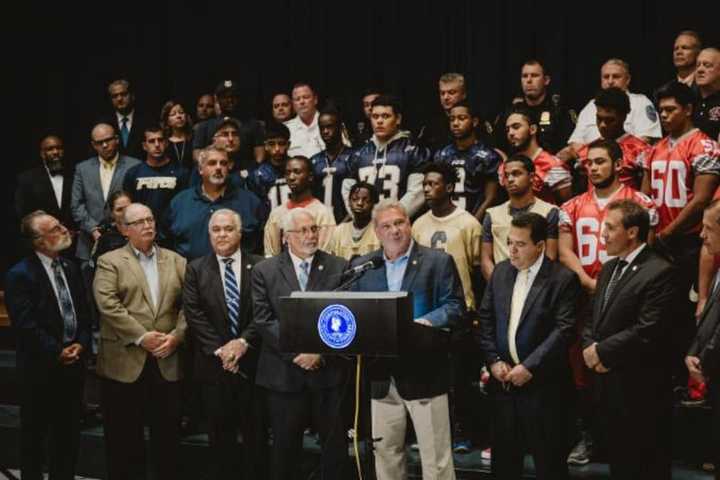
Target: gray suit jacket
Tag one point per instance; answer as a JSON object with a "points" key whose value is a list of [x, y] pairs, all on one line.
{"points": [[87, 203]]}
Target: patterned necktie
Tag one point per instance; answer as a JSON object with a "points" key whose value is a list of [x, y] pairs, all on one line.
{"points": [[613, 281], [303, 275], [66, 306], [232, 297], [124, 131]]}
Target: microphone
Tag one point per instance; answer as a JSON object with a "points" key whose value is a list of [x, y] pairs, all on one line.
{"points": [[372, 264]]}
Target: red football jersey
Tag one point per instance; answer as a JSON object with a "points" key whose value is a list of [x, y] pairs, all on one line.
{"points": [[583, 218], [550, 174], [673, 166], [631, 170]]}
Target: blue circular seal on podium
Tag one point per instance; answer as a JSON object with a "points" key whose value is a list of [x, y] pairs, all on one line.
{"points": [[337, 326]]}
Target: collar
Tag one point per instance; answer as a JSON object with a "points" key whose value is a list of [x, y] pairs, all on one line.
{"points": [[297, 260], [290, 204], [382, 145], [535, 267], [120, 116], [50, 174], [139, 255], [675, 141], [109, 163], [404, 256], [45, 260], [537, 153], [630, 257], [237, 257]]}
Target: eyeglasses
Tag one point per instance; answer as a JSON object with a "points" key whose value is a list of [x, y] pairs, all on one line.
{"points": [[99, 143], [305, 230], [141, 221]]}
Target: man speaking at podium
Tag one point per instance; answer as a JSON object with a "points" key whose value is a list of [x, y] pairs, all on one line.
{"points": [[414, 382]]}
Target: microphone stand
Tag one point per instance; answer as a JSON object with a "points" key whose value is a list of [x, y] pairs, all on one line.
{"points": [[363, 432]]}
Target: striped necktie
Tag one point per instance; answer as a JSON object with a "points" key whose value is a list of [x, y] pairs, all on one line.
{"points": [[232, 297], [66, 306]]}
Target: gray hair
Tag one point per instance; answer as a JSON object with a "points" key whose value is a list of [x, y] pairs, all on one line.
{"points": [[226, 211], [121, 82], [619, 62], [130, 207], [202, 157], [27, 224], [388, 204], [288, 221], [452, 77]]}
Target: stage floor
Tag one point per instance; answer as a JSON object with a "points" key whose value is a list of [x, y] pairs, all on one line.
{"points": [[195, 448]]}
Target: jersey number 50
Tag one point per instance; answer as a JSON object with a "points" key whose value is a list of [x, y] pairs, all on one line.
{"points": [[668, 183]]}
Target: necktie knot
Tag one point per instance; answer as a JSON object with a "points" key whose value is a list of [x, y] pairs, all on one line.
{"points": [[124, 120], [304, 266], [228, 262]]}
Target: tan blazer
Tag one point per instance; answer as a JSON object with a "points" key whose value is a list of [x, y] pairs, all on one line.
{"points": [[127, 312]]}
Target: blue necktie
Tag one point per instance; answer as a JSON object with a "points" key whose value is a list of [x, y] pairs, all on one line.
{"points": [[303, 274], [232, 297], [66, 307], [124, 131]]}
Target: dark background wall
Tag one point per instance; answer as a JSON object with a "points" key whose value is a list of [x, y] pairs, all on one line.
{"points": [[61, 55]]}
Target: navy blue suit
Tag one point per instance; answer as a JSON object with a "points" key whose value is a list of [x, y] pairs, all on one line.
{"points": [[50, 393], [534, 416], [432, 278]]}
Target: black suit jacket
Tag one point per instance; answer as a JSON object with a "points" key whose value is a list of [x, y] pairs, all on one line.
{"points": [[207, 316], [35, 316], [137, 133], [35, 192], [706, 344], [274, 278], [547, 322], [431, 276], [632, 332]]}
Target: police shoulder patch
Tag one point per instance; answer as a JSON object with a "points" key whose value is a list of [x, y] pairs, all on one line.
{"points": [[651, 113]]}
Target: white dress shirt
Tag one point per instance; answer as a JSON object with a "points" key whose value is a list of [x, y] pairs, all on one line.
{"points": [[518, 302], [129, 123], [57, 185], [304, 139], [642, 121]]}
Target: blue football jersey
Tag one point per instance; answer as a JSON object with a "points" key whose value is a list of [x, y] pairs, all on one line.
{"points": [[328, 177], [268, 183], [388, 169], [474, 166]]}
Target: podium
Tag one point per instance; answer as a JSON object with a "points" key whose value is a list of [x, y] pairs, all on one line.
{"points": [[362, 324], [375, 324]]}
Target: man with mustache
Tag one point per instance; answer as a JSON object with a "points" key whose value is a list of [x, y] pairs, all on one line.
{"points": [[46, 301]]}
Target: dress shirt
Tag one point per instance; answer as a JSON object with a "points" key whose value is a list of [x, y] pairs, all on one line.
{"points": [[517, 308], [236, 266], [304, 139], [47, 265], [129, 117], [630, 257], [395, 269], [57, 185], [107, 169], [297, 261], [150, 268]]}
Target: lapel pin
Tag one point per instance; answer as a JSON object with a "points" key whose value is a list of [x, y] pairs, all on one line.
{"points": [[320, 267], [248, 266], [414, 262], [634, 267]]}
